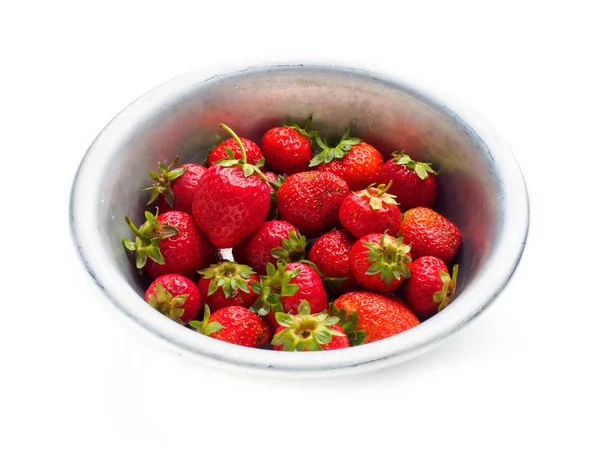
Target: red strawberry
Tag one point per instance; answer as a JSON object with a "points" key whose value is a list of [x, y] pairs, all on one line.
{"points": [[413, 183], [170, 243], [232, 200], [287, 149], [329, 253], [175, 188], [220, 151], [379, 316], [311, 200], [429, 233], [353, 160], [285, 287], [175, 296], [274, 240], [274, 182], [308, 332], [380, 262], [227, 284], [234, 324], [371, 210], [430, 288]]}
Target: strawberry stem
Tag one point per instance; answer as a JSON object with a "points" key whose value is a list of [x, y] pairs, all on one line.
{"points": [[237, 140]]}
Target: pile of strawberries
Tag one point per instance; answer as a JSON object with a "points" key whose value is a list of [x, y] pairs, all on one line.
{"points": [[332, 247]]}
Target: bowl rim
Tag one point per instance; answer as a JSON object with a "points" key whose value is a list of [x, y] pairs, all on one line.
{"points": [[475, 298]]}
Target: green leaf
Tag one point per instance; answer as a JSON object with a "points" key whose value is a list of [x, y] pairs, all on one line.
{"points": [[229, 153], [213, 327], [256, 288], [212, 287], [322, 336], [242, 285], [289, 289], [129, 244], [195, 324], [248, 170], [284, 319], [421, 172]]}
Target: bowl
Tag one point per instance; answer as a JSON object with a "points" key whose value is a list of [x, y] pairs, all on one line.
{"points": [[481, 189]]}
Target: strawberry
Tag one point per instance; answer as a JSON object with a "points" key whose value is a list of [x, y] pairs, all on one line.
{"points": [[329, 253], [253, 155], [232, 200], [274, 240], [175, 188], [275, 183], [379, 316], [353, 160], [311, 200], [371, 210], [226, 284], [380, 262], [288, 149], [285, 286], [413, 183], [430, 288], [429, 233], [234, 324], [175, 296], [308, 332], [169, 243]]}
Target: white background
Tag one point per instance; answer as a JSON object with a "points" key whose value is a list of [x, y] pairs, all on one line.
{"points": [[80, 383]]}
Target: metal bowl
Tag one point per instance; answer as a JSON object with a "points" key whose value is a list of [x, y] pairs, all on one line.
{"points": [[481, 189]]}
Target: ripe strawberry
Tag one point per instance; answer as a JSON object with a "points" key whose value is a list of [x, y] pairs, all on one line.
{"points": [[311, 200], [274, 240], [287, 149], [380, 262], [329, 253], [285, 287], [275, 183], [232, 199], [175, 296], [429, 233], [175, 188], [413, 183], [379, 316], [220, 151], [430, 288], [308, 332], [353, 160], [226, 284], [371, 210], [169, 243], [234, 324]]}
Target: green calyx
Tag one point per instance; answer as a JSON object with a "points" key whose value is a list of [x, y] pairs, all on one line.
{"points": [[205, 326], [378, 195], [292, 249], [229, 277], [445, 295], [147, 238], [389, 258], [163, 180], [349, 323], [231, 161], [166, 304], [272, 287], [305, 331], [304, 131], [338, 151], [423, 169]]}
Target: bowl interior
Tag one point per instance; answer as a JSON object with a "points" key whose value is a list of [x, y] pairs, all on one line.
{"points": [[383, 115]]}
